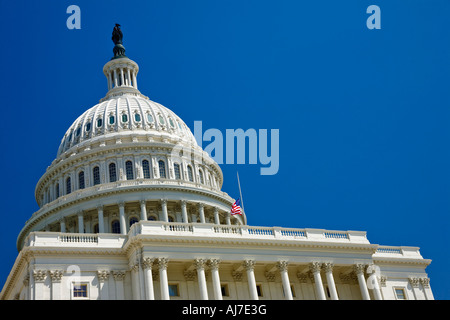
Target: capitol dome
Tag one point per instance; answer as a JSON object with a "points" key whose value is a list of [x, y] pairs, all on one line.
{"points": [[127, 159]]}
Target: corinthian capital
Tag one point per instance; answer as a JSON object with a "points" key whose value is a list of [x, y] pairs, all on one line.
{"points": [[315, 267], [282, 265]]}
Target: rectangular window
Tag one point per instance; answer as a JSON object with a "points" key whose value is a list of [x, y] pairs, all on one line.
{"points": [[173, 290], [224, 289], [259, 290], [400, 293], [80, 291]]}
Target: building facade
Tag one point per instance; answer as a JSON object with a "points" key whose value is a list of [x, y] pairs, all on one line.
{"points": [[132, 208]]}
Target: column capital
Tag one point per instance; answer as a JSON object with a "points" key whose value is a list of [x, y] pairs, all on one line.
{"points": [[425, 282], [328, 266], [282, 265], [414, 282], [56, 275], [183, 203], [315, 267], [199, 263], [359, 268], [143, 202], [214, 264], [100, 207], [102, 275], [148, 262], [201, 205], [39, 275], [162, 263], [121, 204], [118, 275], [163, 201], [249, 265]]}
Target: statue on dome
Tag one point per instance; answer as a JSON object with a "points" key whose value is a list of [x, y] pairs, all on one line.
{"points": [[117, 36]]}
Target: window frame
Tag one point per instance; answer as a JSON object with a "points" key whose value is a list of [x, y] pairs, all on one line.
{"points": [[81, 284]]}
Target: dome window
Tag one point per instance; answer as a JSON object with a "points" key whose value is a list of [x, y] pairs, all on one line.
{"points": [[124, 118], [146, 169], [176, 169], [112, 172], [162, 169], [111, 119], [68, 186], [81, 184], [88, 127], [171, 123], [99, 122], [190, 174], [115, 226], [137, 117], [161, 120], [202, 181], [129, 170], [96, 175], [78, 131], [149, 118]]}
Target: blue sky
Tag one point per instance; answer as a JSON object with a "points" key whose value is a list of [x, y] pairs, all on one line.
{"points": [[363, 115]]}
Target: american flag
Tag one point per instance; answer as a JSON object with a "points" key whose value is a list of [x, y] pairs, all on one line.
{"points": [[236, 207]]}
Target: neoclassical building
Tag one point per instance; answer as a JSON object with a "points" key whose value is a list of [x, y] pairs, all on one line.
{"points": [[132, 208]]}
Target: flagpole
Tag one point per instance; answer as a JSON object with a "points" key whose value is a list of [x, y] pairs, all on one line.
{"points": [[240, 192]]}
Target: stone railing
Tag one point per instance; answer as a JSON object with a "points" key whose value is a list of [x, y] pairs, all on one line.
{"points": [[395, 252], [245, 231], [86, 240]]}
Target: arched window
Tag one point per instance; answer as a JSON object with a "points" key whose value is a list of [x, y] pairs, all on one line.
{"points": [[200, 172], [99, 122], [151, 218], [124, 118], [162, 169], [68, 186], [115, 226], [112, 172], [112, 119], [190, 174], [176, 169], [57, 190], [96, 174], [81, 180], [146, 169], [96, 228], [133, 220], [129, 170], [137, 117]]}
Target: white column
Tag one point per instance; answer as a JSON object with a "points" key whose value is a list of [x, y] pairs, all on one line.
{"points": [[283, 267], [426, 288], [315, 269], [103, 276], [135, 281], [328, 267], [372, 281], [184, 211], [200, 266], [39, 278], [115, 79], [56, 276], [359, 270], [249, 266], [201, 212], [143, 210], [214, 266], [163, 281], [148, 278], [164, 210], [122, 77], [216, 215], [134, 80], [80, 222], [62, 224], [101, 223], [123, 225], [228, 219], [128, 78], [118, 278]]}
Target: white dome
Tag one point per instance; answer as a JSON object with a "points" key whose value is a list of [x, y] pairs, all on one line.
{"points": [[122, 116]]}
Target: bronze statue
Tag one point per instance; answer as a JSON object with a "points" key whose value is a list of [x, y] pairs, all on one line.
{"points": [[119, 49]]}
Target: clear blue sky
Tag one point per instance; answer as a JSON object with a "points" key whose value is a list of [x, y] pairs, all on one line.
{"points": [[364, 115]]}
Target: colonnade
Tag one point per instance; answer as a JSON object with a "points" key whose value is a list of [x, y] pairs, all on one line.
{"points": [[143, 215]]}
